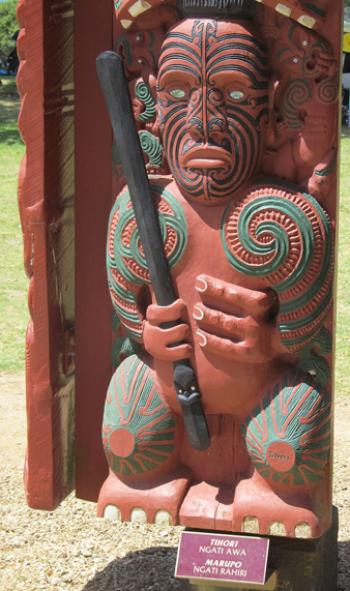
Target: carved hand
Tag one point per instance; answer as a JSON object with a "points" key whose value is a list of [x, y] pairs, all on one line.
{"points": [[246, 331], [159, 341]]}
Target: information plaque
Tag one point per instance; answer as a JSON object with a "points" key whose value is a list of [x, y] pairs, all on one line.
{"points": [[222, 557]]}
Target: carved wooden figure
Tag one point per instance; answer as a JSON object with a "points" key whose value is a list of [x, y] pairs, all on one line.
{"points": [[236, 105]]}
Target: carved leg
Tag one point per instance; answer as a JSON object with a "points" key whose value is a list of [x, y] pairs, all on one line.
{"points": [[141, 442], [209, 501], [288, 440]]}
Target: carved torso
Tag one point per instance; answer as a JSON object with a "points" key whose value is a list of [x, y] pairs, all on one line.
{"points": [[270, 237]]}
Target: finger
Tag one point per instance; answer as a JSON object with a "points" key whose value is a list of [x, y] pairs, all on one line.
{"points": [[225, 347], [210, 319], [168, 336], [157, 314], [179, 352], [175, 334], [252, 302], [157, 341]]}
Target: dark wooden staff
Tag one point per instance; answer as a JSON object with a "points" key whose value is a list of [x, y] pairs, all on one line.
{"points": [[116, 93]]}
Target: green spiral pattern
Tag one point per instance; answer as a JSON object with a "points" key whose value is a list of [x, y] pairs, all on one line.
{"points": [[143, 93], [285, 238], [152, 147], [126, 265]]}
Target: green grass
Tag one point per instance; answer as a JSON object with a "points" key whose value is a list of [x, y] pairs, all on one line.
{"points": [[13, 285]]}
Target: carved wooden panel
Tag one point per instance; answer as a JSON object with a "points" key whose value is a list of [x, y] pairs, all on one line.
{"points": [[46, 199]]}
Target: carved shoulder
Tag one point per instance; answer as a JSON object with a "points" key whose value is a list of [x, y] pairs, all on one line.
{"points": [[126, 265], [285, 238]]}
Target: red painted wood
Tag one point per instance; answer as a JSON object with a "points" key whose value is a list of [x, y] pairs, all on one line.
{"points": [[40, 79], [42, 483], [252, 376], [93, 34]]}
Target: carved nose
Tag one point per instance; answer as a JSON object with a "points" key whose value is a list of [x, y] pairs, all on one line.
{"points": [[206, 121], [217, 129], [196, 129], [195, 123]]}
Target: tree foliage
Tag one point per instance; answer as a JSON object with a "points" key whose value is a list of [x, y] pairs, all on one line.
{"points": [[8, 27]]}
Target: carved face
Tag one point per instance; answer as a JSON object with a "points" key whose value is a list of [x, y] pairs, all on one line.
{"points": [[212, 104]]}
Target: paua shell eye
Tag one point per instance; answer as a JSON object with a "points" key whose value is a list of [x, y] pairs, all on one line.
{"points": [[236, 95], [177, 93]]}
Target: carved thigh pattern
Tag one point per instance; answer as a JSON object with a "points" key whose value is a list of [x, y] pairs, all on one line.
{"points": [[288, 434], [139, 430]]}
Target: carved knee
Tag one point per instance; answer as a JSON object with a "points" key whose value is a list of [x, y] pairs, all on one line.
{"points": [[139, 430], [288, 434]]}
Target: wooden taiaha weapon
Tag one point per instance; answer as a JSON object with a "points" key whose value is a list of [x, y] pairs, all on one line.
{"points": [[116, 93]]}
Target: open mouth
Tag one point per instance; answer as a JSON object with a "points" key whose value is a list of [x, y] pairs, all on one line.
{"points": [[207, 157]]}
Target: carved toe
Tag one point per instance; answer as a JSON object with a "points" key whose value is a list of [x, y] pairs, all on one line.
{"points": [[138, 516], [303, 530], [277, 529], [163, 518], [250, 525], [112, 513]]}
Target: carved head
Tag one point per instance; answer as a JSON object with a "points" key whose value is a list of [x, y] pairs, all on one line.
{"points": [[212, 99]]}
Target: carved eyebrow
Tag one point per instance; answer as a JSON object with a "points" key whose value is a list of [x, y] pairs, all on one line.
{"points": [[228, 77], [172, 73], [182, 61], [221, 57], [228, 70]]}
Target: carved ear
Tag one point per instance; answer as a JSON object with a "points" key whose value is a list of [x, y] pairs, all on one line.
{"points": [[143, 100], [143, 93]]}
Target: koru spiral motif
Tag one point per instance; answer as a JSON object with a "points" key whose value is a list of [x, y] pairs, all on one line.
{"points": [[286, 238], [126, 266]]}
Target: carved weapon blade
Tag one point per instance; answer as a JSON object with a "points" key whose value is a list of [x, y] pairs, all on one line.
{"points": [[116, 93]]}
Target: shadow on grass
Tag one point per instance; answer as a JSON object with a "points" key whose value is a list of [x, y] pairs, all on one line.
{"points": [[9, 133], [8, 86], [9, 108], [345, 131], [10, 137], [152, 568]]}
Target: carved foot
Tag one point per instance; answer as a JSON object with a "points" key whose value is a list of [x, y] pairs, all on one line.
{"points": [[157, 504], [207, 507], [257, 509]]}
